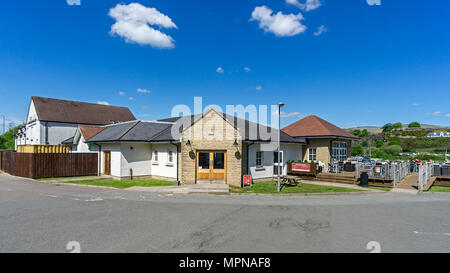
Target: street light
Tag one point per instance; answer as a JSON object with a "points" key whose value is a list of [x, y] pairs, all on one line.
{"points": [[279, 133]]}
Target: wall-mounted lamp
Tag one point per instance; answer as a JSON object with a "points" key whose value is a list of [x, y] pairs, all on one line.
{"points": [[235, 144], [188, 143]]}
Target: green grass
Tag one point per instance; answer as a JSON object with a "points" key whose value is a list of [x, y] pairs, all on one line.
{"points": [[271, 187], [380, 188], [123, 184], [59, 178], [439, 189]]}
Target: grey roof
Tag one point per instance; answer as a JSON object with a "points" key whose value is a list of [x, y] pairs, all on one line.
{"points": [[68, 141], [161, 130], [140, 131]]}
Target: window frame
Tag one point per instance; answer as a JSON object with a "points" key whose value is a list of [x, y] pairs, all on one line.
{"points": [[314, 155], [339, 150], [261, 159], [155, 156]]}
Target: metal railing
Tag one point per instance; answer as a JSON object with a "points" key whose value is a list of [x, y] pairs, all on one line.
{"points": [[395, 171], [425, 173], [441, 170]]}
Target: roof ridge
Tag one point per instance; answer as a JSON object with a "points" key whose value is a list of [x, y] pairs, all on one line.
{"points": [[127, 130], [158, 134], [38, 97]]}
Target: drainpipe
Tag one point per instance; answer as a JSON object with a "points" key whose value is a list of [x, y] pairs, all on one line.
{"points": [[99, 158], [177, 160], [248, 153], [46, 132]]}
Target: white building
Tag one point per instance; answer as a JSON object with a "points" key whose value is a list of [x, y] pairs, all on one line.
{"points": [[227, 149], [51, 121], [439, 134]]}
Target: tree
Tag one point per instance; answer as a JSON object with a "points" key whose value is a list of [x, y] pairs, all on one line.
{"points": [[414, 124], [387, 127], [357, 150], [364, 133], [379, 143], [355, 132], [397, 125], [7, 139]]}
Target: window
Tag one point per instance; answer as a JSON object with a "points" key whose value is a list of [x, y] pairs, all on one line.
{"points": [[275, 157], [312, 154], [170, 157], [259, 159], [275, 163], [155, 156], [339, 150]]}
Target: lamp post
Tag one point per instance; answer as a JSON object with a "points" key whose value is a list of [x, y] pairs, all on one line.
{"points": [[279, 133]]}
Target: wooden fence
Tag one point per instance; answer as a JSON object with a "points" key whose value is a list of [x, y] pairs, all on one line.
{"points": [[49, 165]]}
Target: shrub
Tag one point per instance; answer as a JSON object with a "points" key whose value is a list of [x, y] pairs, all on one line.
{"points": [[357, 150], [379, 143], [394, 141], [379, 153]]}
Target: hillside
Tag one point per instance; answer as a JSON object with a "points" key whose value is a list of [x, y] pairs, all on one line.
{"points": [[377, 129]]}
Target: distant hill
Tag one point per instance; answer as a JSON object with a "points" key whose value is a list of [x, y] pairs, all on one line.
{"points": [[377, 129]]}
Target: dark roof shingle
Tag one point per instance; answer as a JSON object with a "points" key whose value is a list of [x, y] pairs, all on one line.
{"points": [[313, 126], [66, 111]]}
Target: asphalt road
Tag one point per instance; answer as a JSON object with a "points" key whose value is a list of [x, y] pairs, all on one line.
{"points": [[41, 217]]}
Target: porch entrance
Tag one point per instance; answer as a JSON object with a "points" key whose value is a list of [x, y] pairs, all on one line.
{"points": [[211, 166], [107, 159]]}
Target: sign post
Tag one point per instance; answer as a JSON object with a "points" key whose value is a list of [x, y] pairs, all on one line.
{"points": [[247, 181]]}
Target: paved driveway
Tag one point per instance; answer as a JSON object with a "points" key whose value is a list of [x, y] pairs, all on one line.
{"points": [[40, 217]]}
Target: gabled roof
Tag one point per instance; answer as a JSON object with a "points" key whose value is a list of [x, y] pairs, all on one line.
{"points": [[135, 131], [161, 130], [250, 131], [313, 126], [90, 131], [67, 111]]}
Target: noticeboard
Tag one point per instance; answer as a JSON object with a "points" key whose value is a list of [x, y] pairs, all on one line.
{"points": [[247, 181]]}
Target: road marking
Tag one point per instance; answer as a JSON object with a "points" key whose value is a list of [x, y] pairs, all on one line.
{"points": [[432, 233], [96, 199]]}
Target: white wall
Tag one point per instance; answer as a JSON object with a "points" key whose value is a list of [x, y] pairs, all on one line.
{"points": [[290, 151], [116, 158], [83, 147], [135, 156], [163, 167], [123, 158]]}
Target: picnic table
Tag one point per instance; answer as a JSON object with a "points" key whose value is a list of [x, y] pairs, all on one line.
{"points": [[290, 180]]}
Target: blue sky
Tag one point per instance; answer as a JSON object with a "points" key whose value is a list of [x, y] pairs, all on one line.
{"points": [[370, 65]]}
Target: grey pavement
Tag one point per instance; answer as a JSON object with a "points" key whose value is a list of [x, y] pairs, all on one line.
{"points": [[44, 217]]}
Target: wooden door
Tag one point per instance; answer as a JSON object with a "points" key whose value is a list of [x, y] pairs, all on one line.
{"points": [[107, 169], [211, 165]]}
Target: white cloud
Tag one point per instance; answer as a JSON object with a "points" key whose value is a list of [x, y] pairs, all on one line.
{"points": [[415, 104], [435, 113], [448, 115], [131, 99], [282, 25], [121, 93], [103, 102], [220, 70], [259, 87], [247, 69], [307, 6], [320, 30], [132, 24], [145, 107], [142, 90], [290, 115]]}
